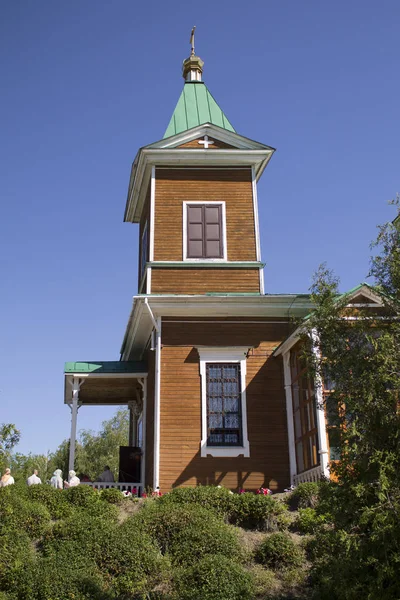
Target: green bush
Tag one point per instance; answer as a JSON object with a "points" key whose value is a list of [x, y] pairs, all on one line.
{"points": [[54, 500], [186, 533], [304, 496], [62, 577], [308, 521], [112, 496], [214, 577], [253, 511], [279, 551], [21, 514], [82, 495], [131, 562], [214, 498], [16, 551]]}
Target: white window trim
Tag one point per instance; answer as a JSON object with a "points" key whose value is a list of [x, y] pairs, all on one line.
{"points": [[224, 240], [224, 355]]}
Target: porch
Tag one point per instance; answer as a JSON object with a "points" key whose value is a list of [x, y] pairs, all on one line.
{"points": [[111, 383]]}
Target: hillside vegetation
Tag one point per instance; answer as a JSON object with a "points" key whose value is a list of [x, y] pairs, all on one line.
{"points": [[191, 544]]}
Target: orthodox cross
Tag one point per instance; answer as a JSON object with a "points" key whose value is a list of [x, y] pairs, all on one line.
{"points": [[192, 41], [206, 141]]}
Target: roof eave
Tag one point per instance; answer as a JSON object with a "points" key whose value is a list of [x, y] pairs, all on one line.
{"points": [[185, 157]]}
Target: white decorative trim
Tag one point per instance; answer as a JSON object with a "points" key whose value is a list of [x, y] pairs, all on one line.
{"points": [[224, 241], [228, 355], [320, 410], [224, 135], [148, 280], [257, 226], [152, 211], [157, 403], [289, 416]]}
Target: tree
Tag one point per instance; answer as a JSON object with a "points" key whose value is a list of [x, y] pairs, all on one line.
{"points": [[9, 437], [359, 557], [95, 450]]}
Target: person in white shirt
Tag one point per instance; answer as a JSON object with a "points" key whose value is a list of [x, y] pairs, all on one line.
{"points": [[34, 479], [106, 476], [7, 478], [73, 480], [56, 481]]}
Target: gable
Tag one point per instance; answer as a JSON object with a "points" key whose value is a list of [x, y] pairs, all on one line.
{"points": [[198, 144]]}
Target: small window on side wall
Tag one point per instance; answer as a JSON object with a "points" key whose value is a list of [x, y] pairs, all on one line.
{"points": [[204, 231]]}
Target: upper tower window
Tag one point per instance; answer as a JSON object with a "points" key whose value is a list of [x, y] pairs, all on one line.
{"points": [[204, 236]]}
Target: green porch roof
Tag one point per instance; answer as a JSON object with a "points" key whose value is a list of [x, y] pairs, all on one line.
{"points": [[196, 106], [113, 366]]}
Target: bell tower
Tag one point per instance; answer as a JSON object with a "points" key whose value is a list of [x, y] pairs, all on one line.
{"points": [[194, 195]]}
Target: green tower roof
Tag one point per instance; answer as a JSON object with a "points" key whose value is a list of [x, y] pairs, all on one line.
{"points": [[196, 106]]}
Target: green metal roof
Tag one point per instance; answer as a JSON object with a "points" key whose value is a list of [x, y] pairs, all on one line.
{"points": [[196, 106], [115, 366]]}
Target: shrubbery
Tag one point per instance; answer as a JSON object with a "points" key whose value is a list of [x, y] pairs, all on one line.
{"points": [[215, 577], [186, 533], [112, 496], [308, 521], [278, 551], [217, 499], [247, 510], [305, 496], [252, 511]]}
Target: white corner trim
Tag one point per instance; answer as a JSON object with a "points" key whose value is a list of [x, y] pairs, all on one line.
{"points": [[152, 211], [237, 354], [320, 410], [157, 403], [257, 225], [184, 237], [289, 416]]}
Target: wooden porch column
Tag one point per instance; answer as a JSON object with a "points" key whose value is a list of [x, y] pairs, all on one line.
{"points": [[132, 425], [74, 416], [289, 415]]}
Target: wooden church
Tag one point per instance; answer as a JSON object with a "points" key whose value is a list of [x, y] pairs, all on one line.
{"points": [[209, 363]]}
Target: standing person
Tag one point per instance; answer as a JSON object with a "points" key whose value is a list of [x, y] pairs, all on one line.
{"points": [[7, 478], [34, 479], [56, 481], [106, 476], [73, 480]]}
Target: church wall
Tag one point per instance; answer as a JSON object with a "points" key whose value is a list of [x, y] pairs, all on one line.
{"points": [[180, 461], [174, 186], [202, 281]]}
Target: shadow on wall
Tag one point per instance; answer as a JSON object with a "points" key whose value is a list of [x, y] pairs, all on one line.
{"points": [[268, 464]]}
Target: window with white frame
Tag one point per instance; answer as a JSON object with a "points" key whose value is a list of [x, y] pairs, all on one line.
{"points": [[223, 393], [204, 231]]}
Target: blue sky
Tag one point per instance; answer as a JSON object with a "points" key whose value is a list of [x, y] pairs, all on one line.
{"points": [[85, 84]]}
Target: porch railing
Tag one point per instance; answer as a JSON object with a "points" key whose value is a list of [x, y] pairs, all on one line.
{"points": [[119, 485], [314, 474]]}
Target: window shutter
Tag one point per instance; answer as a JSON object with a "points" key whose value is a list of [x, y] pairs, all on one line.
{"points": [[204, 231], [195, 231], [213, 231]]}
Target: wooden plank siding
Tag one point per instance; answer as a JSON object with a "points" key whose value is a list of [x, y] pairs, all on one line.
{"points": [[204, 280], [233, 186], [180, 460]]}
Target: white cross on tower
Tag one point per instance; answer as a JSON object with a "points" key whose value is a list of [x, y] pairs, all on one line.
{"points": [[206, 141]]}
